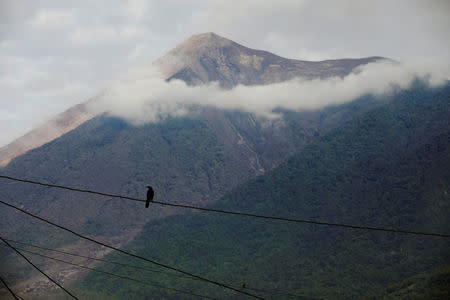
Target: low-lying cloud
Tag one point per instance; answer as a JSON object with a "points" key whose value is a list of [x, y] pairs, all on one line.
{"points": [[143, 96]]}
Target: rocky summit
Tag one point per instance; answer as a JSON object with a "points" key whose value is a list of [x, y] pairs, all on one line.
{"points": [[208, 57]]}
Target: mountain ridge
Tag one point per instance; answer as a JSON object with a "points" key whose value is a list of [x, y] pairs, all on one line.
{"points": [[208, 57]]}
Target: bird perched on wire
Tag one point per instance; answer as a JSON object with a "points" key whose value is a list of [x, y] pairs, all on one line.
{"points": [[150, 195]]}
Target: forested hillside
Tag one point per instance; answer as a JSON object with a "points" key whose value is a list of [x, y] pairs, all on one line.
{"points": [[195, 159], [390, 168], [202, 156]]}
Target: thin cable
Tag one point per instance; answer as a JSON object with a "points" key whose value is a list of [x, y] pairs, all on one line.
{"points": [[152, 284], [278, 293], [149, 270], [49, 278], [102, 260], [70, 188], [237, 213], [131, 254], [12, 293], [307, 221]]}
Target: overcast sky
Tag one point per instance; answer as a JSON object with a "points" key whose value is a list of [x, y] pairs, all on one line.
{"points": [[54, 54]]}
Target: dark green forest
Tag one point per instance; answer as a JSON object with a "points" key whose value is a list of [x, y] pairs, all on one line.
{"points": [[433, 284], [389, 167]]}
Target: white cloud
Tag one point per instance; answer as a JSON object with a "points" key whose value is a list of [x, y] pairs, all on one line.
{"points": [[143, 96]]}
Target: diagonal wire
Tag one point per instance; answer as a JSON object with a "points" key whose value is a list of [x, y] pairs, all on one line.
{"points": [[149, 283], [102, 260], [279, 293], [150, 270], [12, 293], [49, 278], [70, 188], [442, 235], [132, 254]]}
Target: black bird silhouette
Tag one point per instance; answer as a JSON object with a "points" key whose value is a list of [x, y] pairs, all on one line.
{"points": [[150, 195]]}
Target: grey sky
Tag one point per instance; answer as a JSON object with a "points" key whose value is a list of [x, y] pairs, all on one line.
{"points": [[54, 54]]}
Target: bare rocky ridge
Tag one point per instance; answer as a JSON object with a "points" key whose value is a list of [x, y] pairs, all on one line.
{"points": [[208, 57]]}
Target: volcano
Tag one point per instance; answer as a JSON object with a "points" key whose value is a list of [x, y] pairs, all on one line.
{"points": [[201, 59]]}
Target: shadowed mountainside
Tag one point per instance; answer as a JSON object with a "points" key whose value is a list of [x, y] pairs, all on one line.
{"points": [[192, 160], [389, 168]]}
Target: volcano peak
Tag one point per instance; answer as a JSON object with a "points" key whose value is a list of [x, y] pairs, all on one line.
{"points": [[208, 57], [199, 43]]}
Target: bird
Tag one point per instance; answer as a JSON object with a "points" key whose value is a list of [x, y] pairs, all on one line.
{"points": [[150, 195]]}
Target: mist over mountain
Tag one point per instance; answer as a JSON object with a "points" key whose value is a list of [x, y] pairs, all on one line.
{"points": [[150, 93], [203, 120], [212, 71]]}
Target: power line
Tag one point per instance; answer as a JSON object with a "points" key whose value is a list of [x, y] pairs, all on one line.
{"points": [[131, 254], [152, 284], [102, 260], [70, 188], [149, 270], [235, 212], [279, 293], [12, 293], [49, 278]]}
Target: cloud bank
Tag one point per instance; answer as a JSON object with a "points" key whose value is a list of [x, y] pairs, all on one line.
{"points": [[143, 96]]}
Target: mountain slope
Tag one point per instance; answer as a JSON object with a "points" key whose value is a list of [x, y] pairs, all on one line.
{"points": [[388, 168], [61, 124], [434, 284], [202, 156]]}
